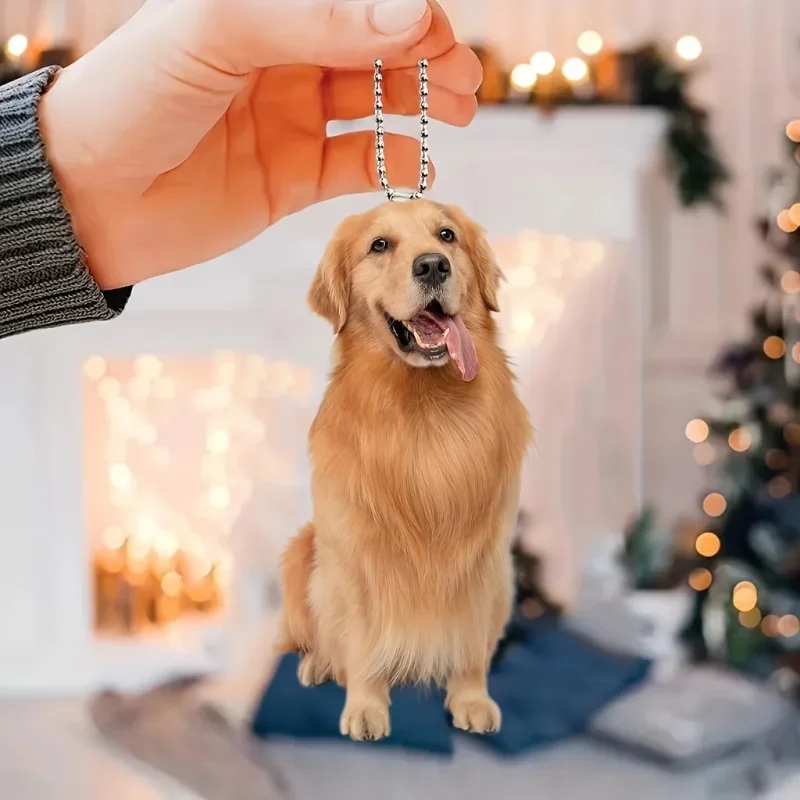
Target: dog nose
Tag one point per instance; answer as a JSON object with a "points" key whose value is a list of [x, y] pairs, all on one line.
{"points": [[431, 269]]}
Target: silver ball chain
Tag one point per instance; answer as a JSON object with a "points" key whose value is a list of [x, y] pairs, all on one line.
{"points": [[380, 155]]}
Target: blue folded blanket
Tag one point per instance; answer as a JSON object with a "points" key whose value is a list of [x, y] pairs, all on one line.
{"points": [[419, 721], [547, 682]]}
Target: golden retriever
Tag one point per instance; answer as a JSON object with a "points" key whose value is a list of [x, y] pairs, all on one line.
{"points": [[404, 574]]}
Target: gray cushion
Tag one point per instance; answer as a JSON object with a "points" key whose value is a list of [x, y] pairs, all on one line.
{"points": [[700, 714]]}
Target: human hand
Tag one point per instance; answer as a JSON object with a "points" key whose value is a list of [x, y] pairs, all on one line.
{"points": [[201, 122]]}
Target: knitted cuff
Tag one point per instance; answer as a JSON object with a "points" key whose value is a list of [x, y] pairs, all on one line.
{"points": [[44, 280]]}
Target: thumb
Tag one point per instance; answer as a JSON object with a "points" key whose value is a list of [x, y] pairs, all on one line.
{"points": [[397, 17], [241, 35]]}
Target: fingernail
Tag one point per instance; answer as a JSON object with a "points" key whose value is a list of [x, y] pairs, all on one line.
{"points": [[391, 17]]}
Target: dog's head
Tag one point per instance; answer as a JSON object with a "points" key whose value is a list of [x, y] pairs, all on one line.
{"points": [[417, 278]]}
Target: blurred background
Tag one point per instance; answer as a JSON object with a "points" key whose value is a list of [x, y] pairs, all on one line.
{"points": [[637, 166]]}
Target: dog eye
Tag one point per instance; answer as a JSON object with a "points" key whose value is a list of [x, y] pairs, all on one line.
{"points": [[379, 246], [447, 235]]}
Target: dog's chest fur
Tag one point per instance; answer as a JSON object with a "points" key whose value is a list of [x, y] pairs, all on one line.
{"points": [[423, 463]]}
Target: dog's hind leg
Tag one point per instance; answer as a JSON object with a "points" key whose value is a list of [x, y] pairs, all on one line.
{"points": [[297, 625]]}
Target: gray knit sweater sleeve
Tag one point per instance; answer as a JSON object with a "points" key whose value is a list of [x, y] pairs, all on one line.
{"points": [[43, 276]]}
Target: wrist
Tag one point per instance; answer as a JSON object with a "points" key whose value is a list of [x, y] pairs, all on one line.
{"points": [[62, 147]]}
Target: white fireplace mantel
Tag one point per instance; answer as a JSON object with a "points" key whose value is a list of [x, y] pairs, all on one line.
{"points": [[588, 174]]}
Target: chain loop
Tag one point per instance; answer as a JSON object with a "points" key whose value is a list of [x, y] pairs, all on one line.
{"points": [[380, 154]]}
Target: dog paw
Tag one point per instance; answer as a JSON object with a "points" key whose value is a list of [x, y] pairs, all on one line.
{"points": [[476, 713], [313, 671], [365, 723]]}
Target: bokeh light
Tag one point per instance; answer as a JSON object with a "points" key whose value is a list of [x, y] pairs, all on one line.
{"points": [[704, 454], [745, 596], [689, 48], [17, 45], [590, 43], [788, 626], [700, 580], [785, 222], [708, 544], [697, 430], [774, 347], [740, 440], [523, 77], [575, 70], [543, 61], [790, 281], [791, 433], [776, 459], [714, 504], [779, 487], [750, 619]]}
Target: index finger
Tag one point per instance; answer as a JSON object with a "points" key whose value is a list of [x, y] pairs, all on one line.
{"points": [[453, 79]]}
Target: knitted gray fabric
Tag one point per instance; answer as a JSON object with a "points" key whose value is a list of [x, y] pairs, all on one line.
{"points": [[43, 276]]}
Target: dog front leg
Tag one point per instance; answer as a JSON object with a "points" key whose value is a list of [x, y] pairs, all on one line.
{"points": [[366, 710], [469, 702]]}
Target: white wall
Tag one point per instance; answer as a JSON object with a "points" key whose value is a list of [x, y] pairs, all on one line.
{"points": [[750, 81]]}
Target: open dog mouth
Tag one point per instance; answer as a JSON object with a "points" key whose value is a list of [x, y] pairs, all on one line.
{"points": [[434, 334]]}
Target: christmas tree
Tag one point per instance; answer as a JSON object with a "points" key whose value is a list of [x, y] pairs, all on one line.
{"points": [[747, 579]]}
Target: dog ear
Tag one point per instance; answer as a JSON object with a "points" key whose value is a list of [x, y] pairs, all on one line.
{"points": [[487, 271], [329, 295]]}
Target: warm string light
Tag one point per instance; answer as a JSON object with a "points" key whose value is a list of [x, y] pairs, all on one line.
{"points": [[788, 626], [785, 222], [790, 281], [750, 619], [774, 347], [745, 596], [740, 440], [714, 504], [575, 70], [689, 48], [590, 43], [543, 62], [697, 430], [769, 626], [779, 487], [701, 579], [780, 413], [17, 45], [791, 433], [704, 454], [776, 459], [523, 77], [177, 448], [708, 544], [793, 130], [114, 538]]}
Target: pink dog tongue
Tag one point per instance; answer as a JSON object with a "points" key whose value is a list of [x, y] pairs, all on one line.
{"points": [[459, 344]]}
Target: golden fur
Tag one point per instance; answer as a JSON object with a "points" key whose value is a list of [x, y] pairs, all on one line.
{"points": [[404, 573]]}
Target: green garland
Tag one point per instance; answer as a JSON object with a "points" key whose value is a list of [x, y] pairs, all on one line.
{"points": [[643, 77], [694, 162]]}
